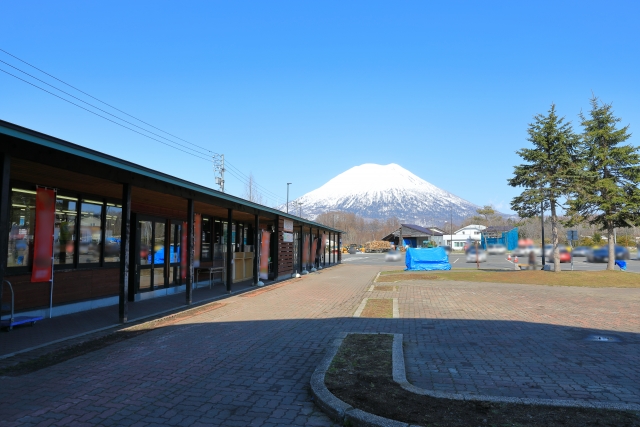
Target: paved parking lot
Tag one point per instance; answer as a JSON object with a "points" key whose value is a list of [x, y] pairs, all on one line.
{"points": [[249, 362], [458, 260]]}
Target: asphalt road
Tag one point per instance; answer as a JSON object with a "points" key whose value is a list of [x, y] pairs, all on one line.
{"points": [[459, 261]]}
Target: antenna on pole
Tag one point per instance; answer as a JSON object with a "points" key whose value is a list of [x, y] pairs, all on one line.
{"points": [[218, 168]]}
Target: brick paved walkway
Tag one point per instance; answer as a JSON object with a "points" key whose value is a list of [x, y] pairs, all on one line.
{"points": [[249, 362]]}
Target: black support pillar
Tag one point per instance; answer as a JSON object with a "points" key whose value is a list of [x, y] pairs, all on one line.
{"points": [[276, 244], [339, 251], [125, 243], [5, 205], [229, 258], [256, 250], [190, 250]]}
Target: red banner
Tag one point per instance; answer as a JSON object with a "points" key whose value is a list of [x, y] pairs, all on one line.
{"points": [[264, 255], [323, 244], [43, 238], [197, 233], [183, 252]]}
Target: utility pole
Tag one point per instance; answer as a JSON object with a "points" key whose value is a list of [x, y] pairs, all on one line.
{"points": [[288, 184], [218, 168]]}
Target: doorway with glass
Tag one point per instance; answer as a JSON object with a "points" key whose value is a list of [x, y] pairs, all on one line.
{"points": [[157, 256]]}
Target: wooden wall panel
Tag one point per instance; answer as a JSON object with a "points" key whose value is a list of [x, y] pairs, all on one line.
{"points": [[69, 286]]}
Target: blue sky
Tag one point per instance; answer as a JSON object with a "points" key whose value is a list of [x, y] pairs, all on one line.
{"points": [[299, 92]]}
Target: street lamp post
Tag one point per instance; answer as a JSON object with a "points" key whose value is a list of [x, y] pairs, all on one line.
{"points": [[288, 184]]}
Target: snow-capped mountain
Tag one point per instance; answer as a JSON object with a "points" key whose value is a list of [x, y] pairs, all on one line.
{"points": [[383, 191]]}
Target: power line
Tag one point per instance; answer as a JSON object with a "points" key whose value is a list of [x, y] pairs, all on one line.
{"points": [[93, 97], [104, 111], [99, 115], [267, 194]]}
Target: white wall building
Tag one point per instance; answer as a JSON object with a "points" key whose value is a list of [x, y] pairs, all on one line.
{"points": [[460, 237]]}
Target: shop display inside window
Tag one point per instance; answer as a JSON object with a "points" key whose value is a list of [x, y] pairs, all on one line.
{"points": [[206, 239], [112, 233], [22, 223], [90, 232], [64, 233]]}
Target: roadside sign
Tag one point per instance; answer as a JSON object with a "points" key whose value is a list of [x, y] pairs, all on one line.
{"points": [[572, 235]]}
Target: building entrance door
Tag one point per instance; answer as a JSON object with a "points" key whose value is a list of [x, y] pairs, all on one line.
{"points": [[157, 252]]}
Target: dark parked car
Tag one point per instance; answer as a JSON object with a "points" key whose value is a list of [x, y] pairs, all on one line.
{"points": [[602, 254]]}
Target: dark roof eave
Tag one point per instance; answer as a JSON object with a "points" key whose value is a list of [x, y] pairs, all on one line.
{"points": [[19, 132]]}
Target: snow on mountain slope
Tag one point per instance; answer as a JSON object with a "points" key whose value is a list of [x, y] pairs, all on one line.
{"points": [[383, 191]]}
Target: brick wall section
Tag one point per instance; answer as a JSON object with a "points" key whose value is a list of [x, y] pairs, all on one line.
{"points": [[285, 253], [69, 286]]}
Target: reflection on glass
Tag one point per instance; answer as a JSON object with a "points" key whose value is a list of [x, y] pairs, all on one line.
{"points": [[90, 232], [65, 230], [158, 276], [113, 229], [145, 243], [145, 279], [158, 246], [173, 245], [22, 220]]}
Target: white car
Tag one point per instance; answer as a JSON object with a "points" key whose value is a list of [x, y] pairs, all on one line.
{"points": [[393, 256], [524, 251], [471, 255]]}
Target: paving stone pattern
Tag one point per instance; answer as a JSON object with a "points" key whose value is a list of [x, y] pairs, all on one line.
{"points": [[249, 362], [524, 341]]}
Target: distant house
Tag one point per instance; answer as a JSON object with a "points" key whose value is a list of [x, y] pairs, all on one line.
{"points": [[457, 241], [415, 236]]}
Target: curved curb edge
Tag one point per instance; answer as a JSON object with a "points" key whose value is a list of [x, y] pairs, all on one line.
{"points": [[342, 412], [399, 376]]}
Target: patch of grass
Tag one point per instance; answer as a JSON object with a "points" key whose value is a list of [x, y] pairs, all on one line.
{"points": [[361, 375], [590, 279], [379, 308]]}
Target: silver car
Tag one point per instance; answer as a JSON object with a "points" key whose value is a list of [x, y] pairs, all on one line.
{"points": [[496, 249]]}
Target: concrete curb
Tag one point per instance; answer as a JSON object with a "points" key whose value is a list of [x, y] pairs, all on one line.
{"points": [[343, 413], [360, 308], [335, 408]]}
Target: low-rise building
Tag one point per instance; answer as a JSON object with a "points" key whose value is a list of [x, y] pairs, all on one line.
{"points": [[415, 236]]}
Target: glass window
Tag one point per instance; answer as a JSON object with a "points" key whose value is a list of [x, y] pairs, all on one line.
{"points": [[206, 239], [158, 246], [112, 233], [146, 243], [65, 230], [22, 222], [90, 232], [174, 243]]}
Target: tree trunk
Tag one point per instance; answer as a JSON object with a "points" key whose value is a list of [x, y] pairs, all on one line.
{"points": [[554, 238], [612, 252]]}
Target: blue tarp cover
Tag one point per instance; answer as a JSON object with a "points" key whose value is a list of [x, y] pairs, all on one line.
{"points": [[427, 259]]}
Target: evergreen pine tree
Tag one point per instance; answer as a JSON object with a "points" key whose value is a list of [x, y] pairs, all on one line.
{"points": [[547, 175], [607, 193]]}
